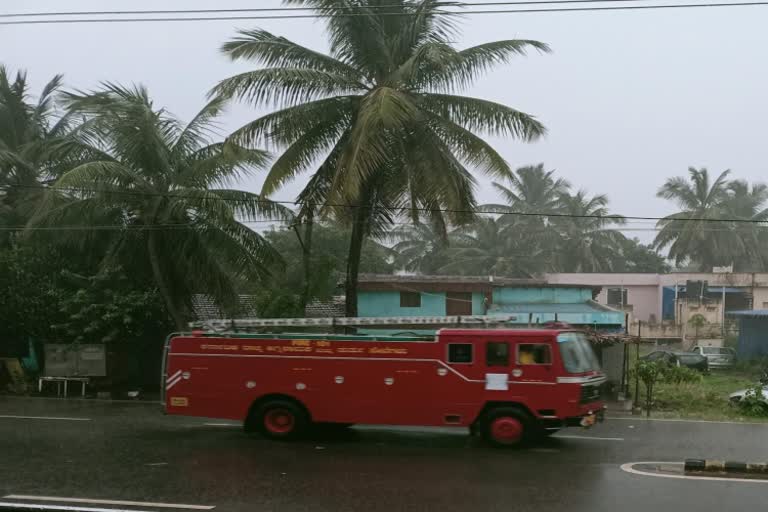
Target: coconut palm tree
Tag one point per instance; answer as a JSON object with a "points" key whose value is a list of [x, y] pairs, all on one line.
{"points": [[151, 186], [491, 246], [701, 241], [28, 133], [747, 202], [532, 190], [587, 240], [420, 247], [379, 113]]}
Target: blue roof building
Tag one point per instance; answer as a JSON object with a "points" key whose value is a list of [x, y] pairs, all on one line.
{"points": [[529, 301]]}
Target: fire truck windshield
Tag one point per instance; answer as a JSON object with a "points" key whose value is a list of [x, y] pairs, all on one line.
{"points": [[577, 354]]}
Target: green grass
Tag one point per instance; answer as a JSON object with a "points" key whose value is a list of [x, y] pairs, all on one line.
{"points": [[707, 399]]}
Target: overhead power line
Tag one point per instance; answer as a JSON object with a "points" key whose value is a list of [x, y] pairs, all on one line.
{"points": [[318, 16], [616, 218], [341, 10], [128, 227]]}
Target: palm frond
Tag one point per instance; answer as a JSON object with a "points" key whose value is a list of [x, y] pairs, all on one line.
{"points": [[274, 51], [286, 126], [285, 86], [483, 116]]}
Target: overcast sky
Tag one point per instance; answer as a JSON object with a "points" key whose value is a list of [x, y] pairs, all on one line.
{"points": [[629, 97]]}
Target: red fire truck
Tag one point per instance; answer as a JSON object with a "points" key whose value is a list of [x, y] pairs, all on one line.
{"points": [[508, 385]]}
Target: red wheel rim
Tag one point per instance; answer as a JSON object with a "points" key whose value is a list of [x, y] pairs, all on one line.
{"points": [[279, 421], [507, 430]]}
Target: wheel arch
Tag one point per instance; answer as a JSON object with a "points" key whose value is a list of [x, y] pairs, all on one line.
{"points": [[259, 401], [490, 405]]}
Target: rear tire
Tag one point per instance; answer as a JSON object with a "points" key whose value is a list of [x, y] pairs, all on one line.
{"points": [[278, 419], [507, 427]]}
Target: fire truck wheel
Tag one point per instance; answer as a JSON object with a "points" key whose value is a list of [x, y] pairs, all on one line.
{"points": [[281, 419], [507, 427]]}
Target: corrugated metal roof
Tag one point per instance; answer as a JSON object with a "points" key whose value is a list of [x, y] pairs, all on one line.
{"points": [[493, 280], [754, 313], [548, 308], [367, 281]]}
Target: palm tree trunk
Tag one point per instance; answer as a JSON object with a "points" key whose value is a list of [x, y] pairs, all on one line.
{"points": [[353, 259], [306, 257], [162, 285]]}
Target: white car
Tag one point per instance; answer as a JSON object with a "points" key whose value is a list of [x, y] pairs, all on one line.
{"points": [[717, 357], [738, 396]]}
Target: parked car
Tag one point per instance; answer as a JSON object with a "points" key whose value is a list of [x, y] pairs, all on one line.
{"points": [[718, 357], [738, 396], [687, 359]]}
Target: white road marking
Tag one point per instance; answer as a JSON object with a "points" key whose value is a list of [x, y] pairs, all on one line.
{"points": [[591, 438], [59, 418], [36, 506], [106, 502], [222, 424], [673, 420], [628, 467]]}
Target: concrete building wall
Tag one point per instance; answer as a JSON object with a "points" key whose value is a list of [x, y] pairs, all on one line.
{"points": [[387, 303], [643, 290], [541, 295]]}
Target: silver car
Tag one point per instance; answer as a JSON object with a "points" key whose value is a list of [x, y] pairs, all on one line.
{"points": [[718, 357], [738, 396]]}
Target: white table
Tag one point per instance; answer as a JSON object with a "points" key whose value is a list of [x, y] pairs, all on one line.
{"points": [[65, 380]]}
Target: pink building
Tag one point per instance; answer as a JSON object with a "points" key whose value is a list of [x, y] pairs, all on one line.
{"points": [[640, 294], [650, 298]]}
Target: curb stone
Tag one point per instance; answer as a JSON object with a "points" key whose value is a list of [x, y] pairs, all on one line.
{"points": [[718, 466]]}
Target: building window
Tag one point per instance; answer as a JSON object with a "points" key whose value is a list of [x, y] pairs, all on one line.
{"points": [[410, 300], [533, 353], [460, 353], [497, 353], [617, 297]]}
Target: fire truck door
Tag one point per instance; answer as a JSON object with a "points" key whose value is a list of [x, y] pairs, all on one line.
{"points": [[532, 361]]}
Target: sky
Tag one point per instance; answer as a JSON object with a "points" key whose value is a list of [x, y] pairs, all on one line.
{"points": [[629, 98]]}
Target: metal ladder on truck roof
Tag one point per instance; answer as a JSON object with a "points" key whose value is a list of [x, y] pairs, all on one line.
{"points": [[246, 324]]}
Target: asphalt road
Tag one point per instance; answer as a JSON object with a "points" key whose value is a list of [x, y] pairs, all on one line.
{"points": [[131, 452]]}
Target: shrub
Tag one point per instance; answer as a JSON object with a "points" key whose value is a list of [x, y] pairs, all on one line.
{"points": [[679, 374], [753, 403]]}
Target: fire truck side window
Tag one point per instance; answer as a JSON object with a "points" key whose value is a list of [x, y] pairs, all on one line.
{"points": [[533, 353], [497, 353], [460, 353]]}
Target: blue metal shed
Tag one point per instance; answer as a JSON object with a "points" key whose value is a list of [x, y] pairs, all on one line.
{"points": [[753, 333]]}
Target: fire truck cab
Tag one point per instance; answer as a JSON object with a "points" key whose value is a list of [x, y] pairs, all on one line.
{"points": [[508, 385]]}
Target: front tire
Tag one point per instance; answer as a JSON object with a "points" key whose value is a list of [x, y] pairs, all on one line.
{"points": [[507, 427], [278, 419]]}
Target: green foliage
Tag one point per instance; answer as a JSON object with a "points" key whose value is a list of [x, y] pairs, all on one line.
{"points": [[649, 373], [279, 295], [679, 374], [379, 114], [163, 184], [526, 245], [493, 247], [737, 243], [110, 307], [698, 320], [31, 290], [29, 134]]}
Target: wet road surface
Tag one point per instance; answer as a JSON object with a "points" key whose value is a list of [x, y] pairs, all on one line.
{"points": [[131, 452]]}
